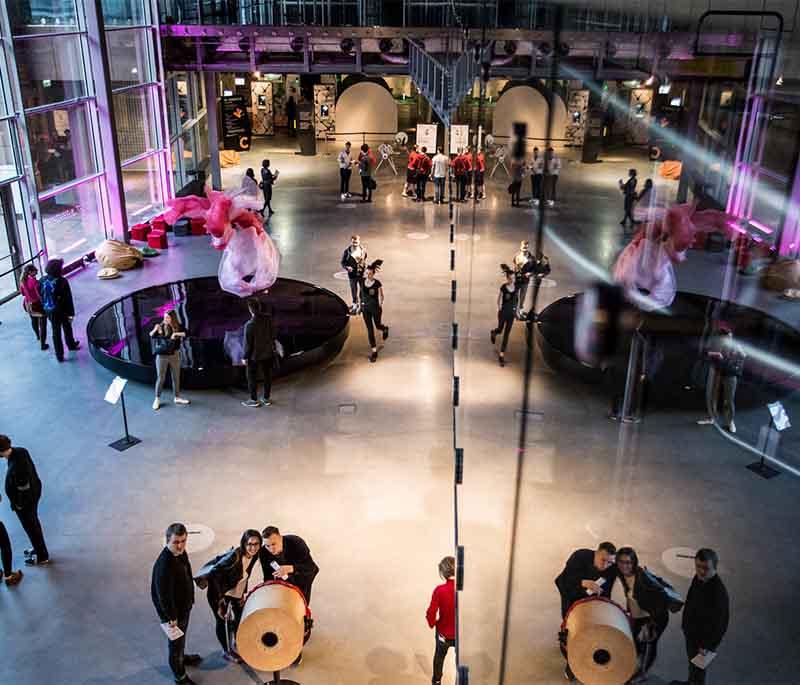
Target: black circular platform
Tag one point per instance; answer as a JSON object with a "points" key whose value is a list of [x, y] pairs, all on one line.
{"points": [[311, 323], [675, 343]]}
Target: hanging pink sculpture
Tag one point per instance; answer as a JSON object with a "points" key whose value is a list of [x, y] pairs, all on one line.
{"points": [[250, 260]]}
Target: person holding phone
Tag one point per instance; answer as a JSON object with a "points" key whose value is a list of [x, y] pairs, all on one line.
{"points": [[167, 338]]}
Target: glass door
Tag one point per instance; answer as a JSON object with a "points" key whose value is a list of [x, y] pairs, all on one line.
{"points": [[9, 247]]}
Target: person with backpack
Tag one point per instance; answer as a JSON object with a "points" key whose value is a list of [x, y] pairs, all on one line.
{"points": [[423, 170], [643, 595], [167, 337], [32, 303], [56, 296]]}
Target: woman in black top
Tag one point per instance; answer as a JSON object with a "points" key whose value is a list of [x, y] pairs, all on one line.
{"points": [[372, 306], [227, 579], [506, 310], [167, 337], [267, 181]]}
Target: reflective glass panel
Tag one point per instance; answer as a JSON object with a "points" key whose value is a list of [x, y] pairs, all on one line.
{"points": [[130, 57], [137, 131], [50, 70], [61, 145], [73, 222], [8, 163], [143, 191], [124, 12], [42, 16]]}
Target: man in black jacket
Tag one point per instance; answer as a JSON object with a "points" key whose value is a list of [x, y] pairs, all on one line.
{"points": [[629, 197], [292, 557], [354, 261], [58, 306], [257, 355], [587, 572], [24, 489], [172, 592], [705, 614]]}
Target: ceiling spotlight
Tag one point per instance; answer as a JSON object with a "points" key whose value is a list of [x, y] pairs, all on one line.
{"points": [[296, 44], [346, 45]]}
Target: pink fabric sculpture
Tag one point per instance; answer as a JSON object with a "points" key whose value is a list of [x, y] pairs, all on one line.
{"points": [[646, 266], [250, 260]]}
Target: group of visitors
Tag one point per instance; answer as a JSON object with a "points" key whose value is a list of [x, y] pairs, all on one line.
{"points": [[365, 162], [631, 198], [228, 578], [421, 167], [49, 299], [544, 172], [23, 491], [616, 574]]}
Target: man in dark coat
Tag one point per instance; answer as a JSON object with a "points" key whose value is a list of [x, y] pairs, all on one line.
{"points": [[24, 489], [293, 558], [258, 352], [58, 306], [172, 592], [705, 614], [629, 197]]}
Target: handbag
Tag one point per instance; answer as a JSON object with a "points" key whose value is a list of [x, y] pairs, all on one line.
{"points": [[372, 184], [162, 345], [34, 309]]}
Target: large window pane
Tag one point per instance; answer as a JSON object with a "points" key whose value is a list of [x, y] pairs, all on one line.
{"points": [[50, 70], [768, 201], [782, 130], [129, 54], [61, 146], [124, 12], [8, 162], [41, 16], [73, 222], [137, 132], [143, 191]]}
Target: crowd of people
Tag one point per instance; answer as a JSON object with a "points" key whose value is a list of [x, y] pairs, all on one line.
{"points": [[617, 575]]}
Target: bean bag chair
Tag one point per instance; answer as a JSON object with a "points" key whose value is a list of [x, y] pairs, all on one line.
{"points": [[781, 275], [118, 255]]}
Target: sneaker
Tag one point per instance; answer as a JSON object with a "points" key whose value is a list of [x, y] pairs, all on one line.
{"points": [[186, 680], [266, 402], [348, 195], [373, 357], [251, 403], [27, 552], [404, 194], [75, 347], [45, 347], [33, 560], [568, 674], [705, 422], [192, 659], [233, 657], [502, 360], [181, 400], [14, 578], [732, 427], [385, 332], [343, 196], [493, 337], [551, 203], [156, 404]]}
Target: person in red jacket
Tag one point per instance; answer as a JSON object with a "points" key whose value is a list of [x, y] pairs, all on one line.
{"points": [[423, 169], [460, 171], [480, 172], [411, 173], [441, 615]]}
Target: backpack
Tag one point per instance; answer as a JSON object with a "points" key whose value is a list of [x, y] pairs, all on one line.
{"points": [[670, 595], [48, 293]]}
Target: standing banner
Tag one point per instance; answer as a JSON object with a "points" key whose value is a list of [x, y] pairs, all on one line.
{"points": [[426, 137], [236, 127], [459, 138]]}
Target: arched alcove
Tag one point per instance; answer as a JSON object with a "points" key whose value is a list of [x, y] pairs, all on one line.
{"points": [[526, 104], [366, 106]]}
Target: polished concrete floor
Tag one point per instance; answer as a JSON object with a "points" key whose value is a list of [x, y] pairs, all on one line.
{"points": [[357, 458]]}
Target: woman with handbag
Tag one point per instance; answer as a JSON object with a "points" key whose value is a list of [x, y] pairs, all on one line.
{"points": [[32, 303], [167, 337], [647, 605], [366, 163]]}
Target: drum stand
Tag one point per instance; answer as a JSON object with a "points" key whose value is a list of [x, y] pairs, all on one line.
{"points": [[276, 680]]}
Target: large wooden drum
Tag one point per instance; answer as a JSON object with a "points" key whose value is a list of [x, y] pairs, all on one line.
{"points": [[270, 634], [600, 646]]}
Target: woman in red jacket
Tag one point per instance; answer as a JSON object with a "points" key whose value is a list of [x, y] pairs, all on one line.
{"points": [[441, 615], [423, 169], [480, 172], [32, 302]]}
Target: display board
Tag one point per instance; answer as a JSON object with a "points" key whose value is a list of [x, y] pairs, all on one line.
{"points": [[235, 123], [459, 138], [426, 137]]}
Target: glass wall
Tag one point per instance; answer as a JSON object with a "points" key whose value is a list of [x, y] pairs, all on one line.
{"points": [[188, 126]]}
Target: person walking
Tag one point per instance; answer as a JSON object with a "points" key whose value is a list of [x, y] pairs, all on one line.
{"points": [[172, 593], [628, 189], [167, 337], [552, 168], [354, 261], [441, 616], [411, 173], [372, 306], [366, 164], [258, 353], [56, 297], [32, 303], [11, 576], [506, 311], [705, 616], [441, 166], [268, 179], [424, 166], [537, 173], [24, 490], [346, 163]]}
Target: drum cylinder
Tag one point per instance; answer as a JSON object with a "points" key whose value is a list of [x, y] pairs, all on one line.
{"points": [[600, 646], [270, 634]]}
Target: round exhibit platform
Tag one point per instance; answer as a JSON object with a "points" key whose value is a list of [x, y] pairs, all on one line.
{"points": [[311, 323], [674, 348]]}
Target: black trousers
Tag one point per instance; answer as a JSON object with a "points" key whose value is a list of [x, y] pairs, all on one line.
{"points": [[422, 181], [29, 518], [628, 209], [504, 324], [354, 285], [516, 187], [536, 186], [697, 676], [39, 325], [267, 199], [344, 180], [252, 373], [442, 647], [366, 188], [373, 321], [462, 187], [646, 651], [176, 650], [226, 630], [62, 326], [5, 551]]}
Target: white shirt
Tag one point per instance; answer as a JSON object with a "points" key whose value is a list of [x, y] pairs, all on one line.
{"points": [[345, 160], [537, 165], [249, 186], [440, 164], [554, 166]]}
